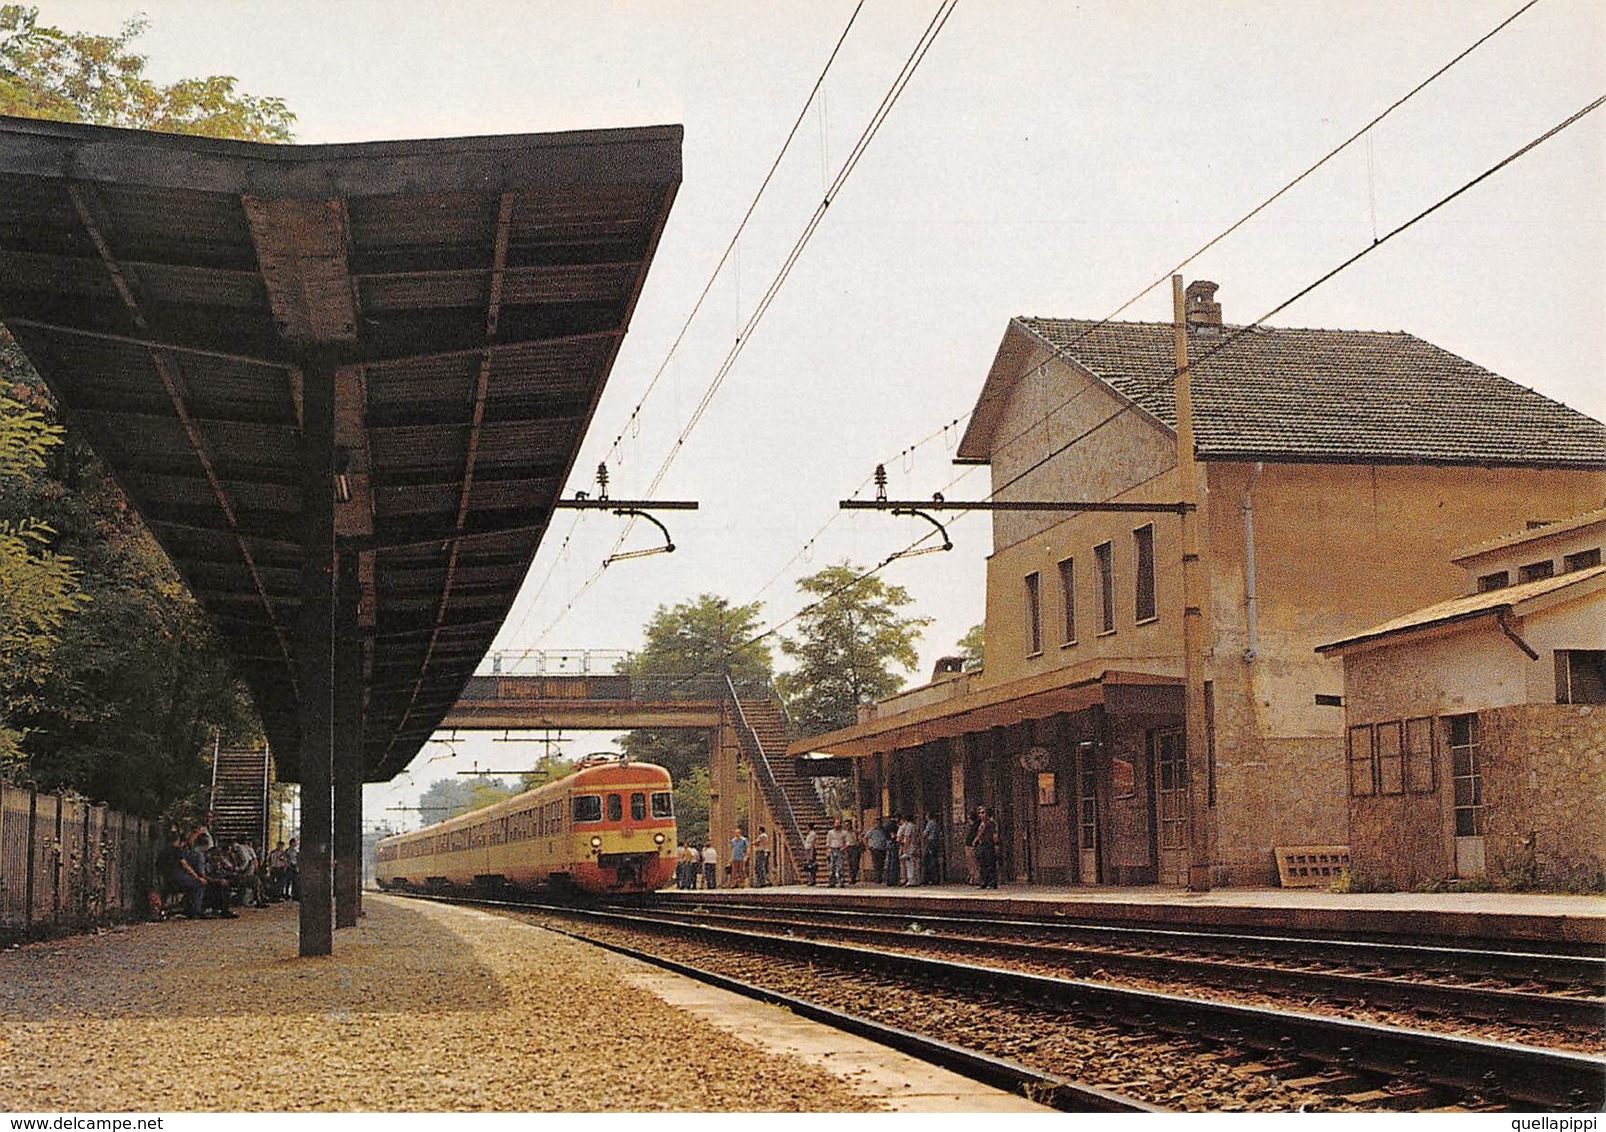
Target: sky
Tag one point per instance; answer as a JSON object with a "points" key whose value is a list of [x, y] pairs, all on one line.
{"points": [[1045, 158]]}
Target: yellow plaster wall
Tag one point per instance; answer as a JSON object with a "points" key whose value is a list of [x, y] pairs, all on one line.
{"points": [[1338, 548]]}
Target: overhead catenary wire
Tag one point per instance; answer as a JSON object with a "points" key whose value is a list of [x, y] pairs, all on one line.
{"points": [[1226, 343], [1043, 419], [894, 92], [1244, 331], [1363, 131], [633, 421], [1303, 175]]}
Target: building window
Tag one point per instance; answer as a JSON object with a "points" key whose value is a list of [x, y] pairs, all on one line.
{"points": [[1536, 570], [1106, 565], [1466, 773], [1390, 751], [1580, 676], [1362, 763], [1034, 615], [1068, 598], [1583, 560], [1420, 776], [1499, 580], [1143, 545]]}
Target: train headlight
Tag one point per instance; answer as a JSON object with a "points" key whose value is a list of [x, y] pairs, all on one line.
{"points": [[596, 843], [657, 839]]}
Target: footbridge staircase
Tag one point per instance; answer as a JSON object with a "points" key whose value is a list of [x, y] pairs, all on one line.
{"points": [[240, 779], [747, 721]]}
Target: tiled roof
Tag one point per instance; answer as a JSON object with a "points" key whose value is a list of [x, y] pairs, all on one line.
{"points": [[1342, 396], [1469, 606], [1532, 534]]}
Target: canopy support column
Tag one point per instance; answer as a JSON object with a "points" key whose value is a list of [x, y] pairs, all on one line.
{"points": [[315, 659], [348, 746]]}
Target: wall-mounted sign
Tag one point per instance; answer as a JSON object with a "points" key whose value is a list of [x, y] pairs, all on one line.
{"points": [[1036, 759], [1123, 778]]}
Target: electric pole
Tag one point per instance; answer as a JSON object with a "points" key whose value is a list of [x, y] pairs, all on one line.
{"points": [[1193, 627]]}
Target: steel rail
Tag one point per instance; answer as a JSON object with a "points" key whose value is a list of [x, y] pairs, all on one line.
{"points": [[1498, 1004], [1045, 1088], [1011, 1076], [1552, 965], [1525, 1075]]}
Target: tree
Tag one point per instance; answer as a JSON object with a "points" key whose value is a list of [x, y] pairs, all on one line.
{"points": [[691, 806], [971, 646], [449, 797], [38, 588], [849, 639], [113, 685], [46, 72], [687, 645], [548, 768]]}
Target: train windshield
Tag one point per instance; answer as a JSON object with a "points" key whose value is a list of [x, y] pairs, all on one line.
{"points": [[663, 805], [587, 807], [616, 808], [638, 807]]}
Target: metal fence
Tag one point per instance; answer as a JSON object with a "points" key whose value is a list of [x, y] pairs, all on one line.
{"points": [[65, 863]]}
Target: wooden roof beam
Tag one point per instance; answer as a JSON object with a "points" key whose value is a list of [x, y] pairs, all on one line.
{"points": [[93, 216]]}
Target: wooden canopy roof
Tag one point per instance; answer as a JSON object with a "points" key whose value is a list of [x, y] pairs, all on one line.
{"points": [[449, 309]]}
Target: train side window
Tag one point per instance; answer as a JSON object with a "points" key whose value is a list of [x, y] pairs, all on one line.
{"points": [[638, 807], [587, 807], [663, 804], [616, 807]]}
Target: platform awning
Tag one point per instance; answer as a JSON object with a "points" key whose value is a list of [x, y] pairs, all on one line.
{"points": [[207, 312], [1034, 697]]}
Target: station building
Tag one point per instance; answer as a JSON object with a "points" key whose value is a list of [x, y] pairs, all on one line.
{"points": [[1339, 472], [1476, 727]]}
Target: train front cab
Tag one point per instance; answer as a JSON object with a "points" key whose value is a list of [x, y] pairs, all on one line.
{"points": [[624, 833]]}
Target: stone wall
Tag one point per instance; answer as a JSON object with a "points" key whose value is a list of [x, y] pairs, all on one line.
{"points": [[1544, 783]]}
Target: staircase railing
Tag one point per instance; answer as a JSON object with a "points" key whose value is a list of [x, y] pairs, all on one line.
{"points": [[780, 804]]}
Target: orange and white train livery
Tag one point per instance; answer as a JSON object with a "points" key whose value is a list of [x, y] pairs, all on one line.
{"points": [[608, 827]]}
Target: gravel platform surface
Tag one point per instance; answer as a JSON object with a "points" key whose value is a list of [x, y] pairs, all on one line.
{"points": [[421, 1008]]}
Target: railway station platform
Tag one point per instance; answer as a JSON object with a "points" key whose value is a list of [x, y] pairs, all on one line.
{"points": [[1481, 917], [422, 1008]]}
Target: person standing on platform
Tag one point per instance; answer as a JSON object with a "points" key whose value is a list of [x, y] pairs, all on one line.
{"points": [[810, 865], [739, 859], [292, 869], [973, 874], [986, 844], [931, 851], [890, 829], [277, 863], [836, 847], [876, 840], [761, 858], [909, 850], [710, 866], [855, 851]]}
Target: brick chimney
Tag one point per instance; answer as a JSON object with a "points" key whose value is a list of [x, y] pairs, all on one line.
{"points": [[1203, 312]]}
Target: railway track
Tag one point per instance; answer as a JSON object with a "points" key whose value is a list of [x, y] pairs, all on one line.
{"points": [[1546, 990], [1068, 1040]]}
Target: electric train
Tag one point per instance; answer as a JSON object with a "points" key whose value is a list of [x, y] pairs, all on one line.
{"points": [[609, 827]]}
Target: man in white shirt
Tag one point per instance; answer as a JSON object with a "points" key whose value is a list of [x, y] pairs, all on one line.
{"points": [[761, 858], [710, 866], [836, 846]]}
